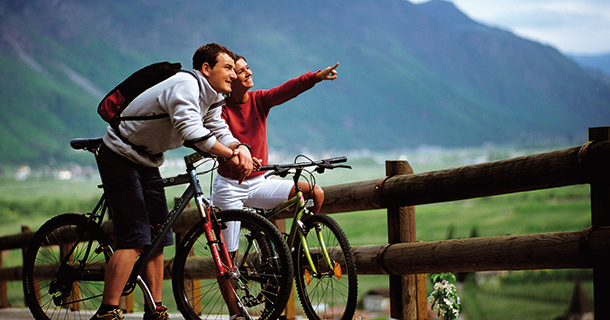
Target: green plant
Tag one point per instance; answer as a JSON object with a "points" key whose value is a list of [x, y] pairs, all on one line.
{"points": [[444, 297]]}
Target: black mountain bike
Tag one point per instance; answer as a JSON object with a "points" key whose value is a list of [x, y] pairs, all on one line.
{"points": [[63, 269]]}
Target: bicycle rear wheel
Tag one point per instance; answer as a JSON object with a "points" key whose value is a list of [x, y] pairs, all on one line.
{"points": [[70, 290], [262, 283], [332, 292]]}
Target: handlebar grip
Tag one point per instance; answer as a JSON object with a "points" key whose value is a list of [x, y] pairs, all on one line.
{"points": [[267, 167], [337, 159]]}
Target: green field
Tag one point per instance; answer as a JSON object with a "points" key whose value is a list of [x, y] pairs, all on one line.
{"points": [[510, 295]]}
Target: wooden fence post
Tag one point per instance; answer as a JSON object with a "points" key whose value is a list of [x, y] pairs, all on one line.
{"points": [[126, 303], [600, 216], [406, 300], [26, 229], [3, 288]]}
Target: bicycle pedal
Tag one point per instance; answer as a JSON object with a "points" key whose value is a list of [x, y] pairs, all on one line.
{"points": [[58, 300], [59, 295]]}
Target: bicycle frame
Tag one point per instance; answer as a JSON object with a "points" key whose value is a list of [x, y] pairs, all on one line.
{"points": [[297, 228], [65, 265], [222, 260]]}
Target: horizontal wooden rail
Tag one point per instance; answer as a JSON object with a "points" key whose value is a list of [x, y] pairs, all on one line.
{"points": [[577, 165], [557, 250], [540, 171], [16, 241], [22, 240]]}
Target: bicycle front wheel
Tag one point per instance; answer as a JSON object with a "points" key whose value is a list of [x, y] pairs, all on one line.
{"points": [[331, 292], [261, 282], [63, 269]]}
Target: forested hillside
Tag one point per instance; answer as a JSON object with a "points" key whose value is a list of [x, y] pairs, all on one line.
{"points": [[409, 75]]}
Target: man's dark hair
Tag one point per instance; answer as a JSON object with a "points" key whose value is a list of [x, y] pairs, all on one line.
{"points": [[209, 53]]}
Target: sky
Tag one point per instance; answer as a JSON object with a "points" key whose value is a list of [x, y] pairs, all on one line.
{"points": [[580, 27]]}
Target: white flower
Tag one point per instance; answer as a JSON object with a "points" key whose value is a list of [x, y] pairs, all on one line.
{"points": [[444, 297]]}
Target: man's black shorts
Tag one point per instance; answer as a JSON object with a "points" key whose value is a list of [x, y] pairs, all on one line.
{"points": [[136, 208]]}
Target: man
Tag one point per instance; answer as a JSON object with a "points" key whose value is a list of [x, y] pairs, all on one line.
{"points": [[133, 151], [246, 114]]}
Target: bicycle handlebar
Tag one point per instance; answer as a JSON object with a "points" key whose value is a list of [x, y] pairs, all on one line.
{"points": [[320, 164]]}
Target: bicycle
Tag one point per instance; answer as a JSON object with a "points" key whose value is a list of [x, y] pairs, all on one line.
{"points": [[63, 269], [325, 268]]}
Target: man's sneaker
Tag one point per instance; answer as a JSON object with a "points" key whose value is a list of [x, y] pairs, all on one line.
{"points": [[159, 314], [112, 315]]}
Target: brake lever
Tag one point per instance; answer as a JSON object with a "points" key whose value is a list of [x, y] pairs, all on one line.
{"points": [[280, 172], [322, 168], [283, 172]]}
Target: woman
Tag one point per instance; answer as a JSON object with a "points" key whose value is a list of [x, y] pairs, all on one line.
{"points": [[246, 114]]}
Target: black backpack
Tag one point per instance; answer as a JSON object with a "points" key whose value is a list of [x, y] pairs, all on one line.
{"points": [[113, 104]]}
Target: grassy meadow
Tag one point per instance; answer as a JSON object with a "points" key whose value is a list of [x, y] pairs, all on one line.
{"points": [[506, 295]]}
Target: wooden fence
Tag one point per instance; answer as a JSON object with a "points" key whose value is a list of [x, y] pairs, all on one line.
{"points": [[406, 261]]}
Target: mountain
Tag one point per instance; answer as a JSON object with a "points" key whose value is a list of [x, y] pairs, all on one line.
{"points": [[595, 62], [598, 66], [409, 74]]}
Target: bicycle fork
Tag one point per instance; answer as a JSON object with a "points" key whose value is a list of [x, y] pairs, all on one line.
{"points": [[215, 241], [334, 266], [227, 274]]}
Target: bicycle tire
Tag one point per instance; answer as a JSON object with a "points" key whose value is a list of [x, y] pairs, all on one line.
{"points": [[265, 270], [327, 295], [75, 291]]}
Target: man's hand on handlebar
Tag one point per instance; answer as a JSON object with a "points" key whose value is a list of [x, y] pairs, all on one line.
{"points": [[243, 163]]}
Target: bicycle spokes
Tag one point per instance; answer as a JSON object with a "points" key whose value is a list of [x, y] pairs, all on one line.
{"points": [[260, 280], [333, 285]]}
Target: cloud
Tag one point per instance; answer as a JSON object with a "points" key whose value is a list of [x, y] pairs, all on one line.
{"points": [[575, 27]]}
